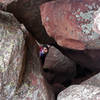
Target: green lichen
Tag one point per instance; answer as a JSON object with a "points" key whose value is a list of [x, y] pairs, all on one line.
{"points": [[89, 6], [86, 28], [85, 21], [87, 15]]}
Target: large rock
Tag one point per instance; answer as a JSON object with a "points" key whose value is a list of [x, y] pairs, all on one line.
{"points": [[94, 80], [80, 92], [62, 67], [11, 55], [34, 86], [73, 23], [28, 13]]}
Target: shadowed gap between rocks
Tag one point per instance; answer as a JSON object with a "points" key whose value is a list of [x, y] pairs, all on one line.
{"points": [[56, 64], [33, 82]]}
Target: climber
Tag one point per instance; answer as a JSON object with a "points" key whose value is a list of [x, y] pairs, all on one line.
{"points": [[43, 52]]}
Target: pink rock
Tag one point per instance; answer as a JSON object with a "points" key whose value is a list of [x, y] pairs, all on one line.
{"points": [[71, 23]]}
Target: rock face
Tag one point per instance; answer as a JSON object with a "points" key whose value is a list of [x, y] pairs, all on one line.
{"points": [[80, 92], [95, 80], [11, 55], [28, 13], [61, 66], [73, 24]]}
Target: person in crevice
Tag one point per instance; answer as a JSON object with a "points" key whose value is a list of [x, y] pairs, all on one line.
{"points": [[43, 52]]}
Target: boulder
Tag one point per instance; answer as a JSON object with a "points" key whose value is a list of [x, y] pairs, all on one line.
{"points": [[73, 23], [28, 13], [12, 55], [61, 66], [80, 92], [94, 80]]}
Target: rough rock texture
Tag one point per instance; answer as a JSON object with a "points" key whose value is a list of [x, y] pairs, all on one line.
{"points": [[73, 23], [94, 80], [28, 13], [11, 55], [62, 67], [80, 92], [34, 86]]}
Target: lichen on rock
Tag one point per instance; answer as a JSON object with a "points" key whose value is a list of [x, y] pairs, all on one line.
{"points": [[11, 54]]}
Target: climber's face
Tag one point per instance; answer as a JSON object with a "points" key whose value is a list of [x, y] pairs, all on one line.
{"points": [[45, 50]]}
